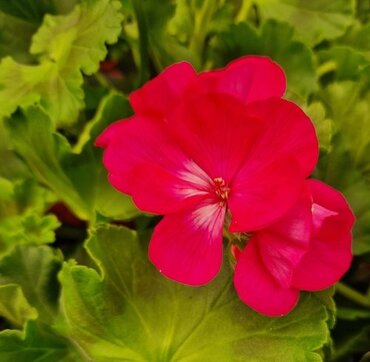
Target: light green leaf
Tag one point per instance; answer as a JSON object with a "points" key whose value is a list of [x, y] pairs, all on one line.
{"points": [[66, 45], [34, 269], [6, 190], [14, 306], [275, 40], [21, 196], [77, 40], [57, 90], [29, 228], [131, 312], [22, 215], [314, 20], [323, 125], [35, 344]]}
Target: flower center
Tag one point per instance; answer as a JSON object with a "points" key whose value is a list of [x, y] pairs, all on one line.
{"points": [[221, 189]]}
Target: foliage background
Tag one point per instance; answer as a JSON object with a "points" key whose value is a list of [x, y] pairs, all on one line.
{"points": [[65, 72]]}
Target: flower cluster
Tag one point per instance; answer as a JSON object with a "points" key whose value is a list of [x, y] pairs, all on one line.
{"points": [[222, 149]]}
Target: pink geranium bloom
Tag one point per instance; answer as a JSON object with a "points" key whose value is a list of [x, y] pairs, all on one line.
{"points": [[307, 249], [202, 145]]}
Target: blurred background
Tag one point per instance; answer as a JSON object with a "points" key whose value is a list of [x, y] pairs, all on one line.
{"points": [[65, 72]]}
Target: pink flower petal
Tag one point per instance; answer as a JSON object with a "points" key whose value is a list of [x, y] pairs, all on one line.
{"points": [[157, 191], [216, 132], [257, 288], [187, 246], [263, 192], [329, 255], [144, 161], [289, 131], [160, 95], [249, 79], [284, 243]]}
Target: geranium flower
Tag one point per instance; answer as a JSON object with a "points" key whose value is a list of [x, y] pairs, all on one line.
{"points": [[307, 249], [200, 146]]}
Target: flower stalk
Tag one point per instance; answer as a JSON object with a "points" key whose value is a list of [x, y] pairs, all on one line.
{"points": [[352, 295]]}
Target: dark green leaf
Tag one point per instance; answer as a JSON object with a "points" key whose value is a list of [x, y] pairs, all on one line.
{"points": [[32, 134], [34, 269], [276, 41], [30, 10], [35, 344]]}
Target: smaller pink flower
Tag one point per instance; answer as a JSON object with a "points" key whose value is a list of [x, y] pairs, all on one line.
{"points": [[308, 249]]}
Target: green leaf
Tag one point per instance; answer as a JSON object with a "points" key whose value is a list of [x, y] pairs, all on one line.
{"points": [[22, 218], [57, 90], [29, 289], [14, 306], [77, 40], [35, 344], [358, 38], [77, 177], [326, 298], [27, 229], [357, 191], [15, 37], [346, 62], [11, 167], [363, 11], [323, 125], [34, 269], [195, 22], [106, 199], [276, 41], [32, 135], [347, 165], [348, 103], [29, 10], [131, 312], [66, 45], [313, 21], [150, 39]]}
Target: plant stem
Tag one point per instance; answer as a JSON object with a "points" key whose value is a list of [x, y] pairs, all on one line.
{"points": [[352, 294], [102, 80], [228, 235], [200, 26], [143, 42], [243, 11], [327, 67]]}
